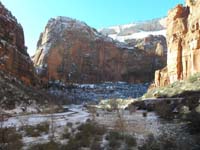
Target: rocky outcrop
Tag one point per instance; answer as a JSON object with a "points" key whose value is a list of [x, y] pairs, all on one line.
{"points": [[14, 58], [183, 38], [71, 51], [161, 77], [151, 44]]}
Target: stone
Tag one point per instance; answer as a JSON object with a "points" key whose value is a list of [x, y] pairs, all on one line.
{"points": [[197, 109], [184, 110]]}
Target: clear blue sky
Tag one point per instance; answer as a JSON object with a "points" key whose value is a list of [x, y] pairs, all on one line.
{"points": [[34, 14]]}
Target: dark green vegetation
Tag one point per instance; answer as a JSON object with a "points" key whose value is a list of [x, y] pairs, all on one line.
{"points": [[90, 135], [120, 140], [35, 131], [162, 143], [10, 139], [166, 142], [46, 146], [194, 122]]}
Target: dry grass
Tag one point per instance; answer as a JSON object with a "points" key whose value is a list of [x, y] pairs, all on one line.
{"points": [[176, 88]]}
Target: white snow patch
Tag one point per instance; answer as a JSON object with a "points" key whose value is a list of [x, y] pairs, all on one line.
{"points": [[139, 35], [75, 114], [90, 86]]}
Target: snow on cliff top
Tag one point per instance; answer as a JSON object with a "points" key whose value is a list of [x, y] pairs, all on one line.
{"points": [[136, 30], [138, 35]]}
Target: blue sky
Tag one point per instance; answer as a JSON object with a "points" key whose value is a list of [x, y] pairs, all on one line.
{"points": [[34, 14]]}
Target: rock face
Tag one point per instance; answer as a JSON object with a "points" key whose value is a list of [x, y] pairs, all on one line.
{"points": [[183, 38], [14, 58], [137, 30], [147, 35], [71, 51], [17, 70]]}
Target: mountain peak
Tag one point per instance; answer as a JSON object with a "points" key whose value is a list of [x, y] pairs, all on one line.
{"points": [[66, 23]]}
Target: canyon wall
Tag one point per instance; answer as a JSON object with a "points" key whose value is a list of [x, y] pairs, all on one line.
{"points": [[14, 58], [183, 40], [71, 51]]}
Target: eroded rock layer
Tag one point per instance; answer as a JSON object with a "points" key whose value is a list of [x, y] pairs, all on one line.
{"points": [[71, 51]]}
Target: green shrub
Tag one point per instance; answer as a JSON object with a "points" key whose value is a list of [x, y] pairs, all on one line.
{"points": [[164, 110], [89, 135], [194, 122], [161, 143], [34, 131], [150, 144], [95, 145], [46, 146], [194, 78], [116, 139], [66, 134], [10, 139], [72, 145], [130, 141], [70, 124], [144, 114], [114, 135], [91, 128]]}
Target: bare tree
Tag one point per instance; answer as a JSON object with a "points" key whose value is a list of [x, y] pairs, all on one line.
{"points": [[120, 123], [52, 127]]}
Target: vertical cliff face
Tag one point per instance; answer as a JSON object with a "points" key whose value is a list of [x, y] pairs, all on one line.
{"points": [[183, 39], [71, 51], [14, 58]]}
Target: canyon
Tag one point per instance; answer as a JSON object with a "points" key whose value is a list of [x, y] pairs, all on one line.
{"points": [[84, 88]]}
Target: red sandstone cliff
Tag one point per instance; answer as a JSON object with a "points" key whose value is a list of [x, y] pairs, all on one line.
{"points": [[14, 58], [71, 51], [183, 39]]}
